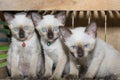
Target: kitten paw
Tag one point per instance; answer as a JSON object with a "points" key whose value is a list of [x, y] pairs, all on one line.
{"points": [[45, 78], [17, 77], [111, 77], [31, 78], [71, 77]]}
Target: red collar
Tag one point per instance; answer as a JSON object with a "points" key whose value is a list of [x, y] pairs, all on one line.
{"points": [[23, 43]]}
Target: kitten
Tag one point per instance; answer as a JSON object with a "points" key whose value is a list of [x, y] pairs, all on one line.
{"points": [[48, 28], [100, 58], [24, 55]]}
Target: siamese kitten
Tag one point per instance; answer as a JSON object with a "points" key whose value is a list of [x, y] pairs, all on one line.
{"points": [[48, 28], [100, 58], [24, 55]]}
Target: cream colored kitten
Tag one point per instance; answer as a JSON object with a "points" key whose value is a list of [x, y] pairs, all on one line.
{"points": [[24, 55], [100, 58], [48, 28]]}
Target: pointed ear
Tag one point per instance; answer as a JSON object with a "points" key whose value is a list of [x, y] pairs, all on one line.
{"points": [[65, 32], [36, 18], [91, 29], [8, 17], [28, 15], [61, 17]]}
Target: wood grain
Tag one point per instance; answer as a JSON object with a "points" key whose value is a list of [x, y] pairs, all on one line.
{"points": [[59, 4]]}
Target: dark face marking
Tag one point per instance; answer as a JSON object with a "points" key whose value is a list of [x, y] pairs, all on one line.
{"points": [[21, 33], [50, 34], [91, 29], [72, 54], [65, 32], [80, 52]]}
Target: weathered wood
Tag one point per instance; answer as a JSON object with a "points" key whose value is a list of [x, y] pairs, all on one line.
{"points": [[59, 4], [3, 73]]}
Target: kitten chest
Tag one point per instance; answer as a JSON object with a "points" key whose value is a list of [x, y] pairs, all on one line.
{"points": [[52, 51]]}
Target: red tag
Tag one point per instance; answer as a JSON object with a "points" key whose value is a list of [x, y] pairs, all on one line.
{"points": [[23, 44]]}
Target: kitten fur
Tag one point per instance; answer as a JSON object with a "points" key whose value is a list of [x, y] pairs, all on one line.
{"points": [[23, 61], [100, 57], [54, 53]]}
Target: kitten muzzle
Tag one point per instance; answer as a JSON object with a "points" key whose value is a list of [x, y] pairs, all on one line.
{"points": [[80, 52], [21, 33], [50, 34]]}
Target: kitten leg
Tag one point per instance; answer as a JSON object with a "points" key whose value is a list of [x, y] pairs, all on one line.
{"points": [[48, 66], [73, 69], [14, 65], [94, 66], [33, 65], [59, 67], [9, 61]]}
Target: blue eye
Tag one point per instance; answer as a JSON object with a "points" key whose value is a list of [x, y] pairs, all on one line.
{"points": [[44, 30], [86, 45], [55, 28], [16, 29], [73, 47], [26, 27]]}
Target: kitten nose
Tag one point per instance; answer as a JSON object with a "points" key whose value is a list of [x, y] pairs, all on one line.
{"points": [[21, 33], [80, 52], [50, 34]]}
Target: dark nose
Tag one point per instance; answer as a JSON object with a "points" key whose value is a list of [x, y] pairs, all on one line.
{"points": [[80, 52], [21, 33], [50, 34]]}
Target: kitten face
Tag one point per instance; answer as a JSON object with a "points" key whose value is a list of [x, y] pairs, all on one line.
{"points": [[80, 41], [21, 25], [48, 26]]}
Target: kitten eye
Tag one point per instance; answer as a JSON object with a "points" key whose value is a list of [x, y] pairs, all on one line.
{"points": [[73, 47], [86, 45], [26, 27], [55, 28], [16, 29], [44, 30]]}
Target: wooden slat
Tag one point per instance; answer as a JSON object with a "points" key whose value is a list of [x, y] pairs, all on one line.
{"points": [[4, 39], [59, 4], [4, 43], [3, 64], [110, 14], [117, 14], [96, 14], [2, 60], [3, 23], [4, 48], [81, 15], [3, 73], [3, 56], [4, 31], [103, 14], [3, 52]]}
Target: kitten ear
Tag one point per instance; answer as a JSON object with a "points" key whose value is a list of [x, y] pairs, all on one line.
{"points": [[8, 17], [36, 18], [65, 32], [91, 29], [61, 17], [28, 15]]}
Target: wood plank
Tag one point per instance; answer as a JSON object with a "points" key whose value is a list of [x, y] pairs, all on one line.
{"points": [[59, 4], [3, 73]]}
